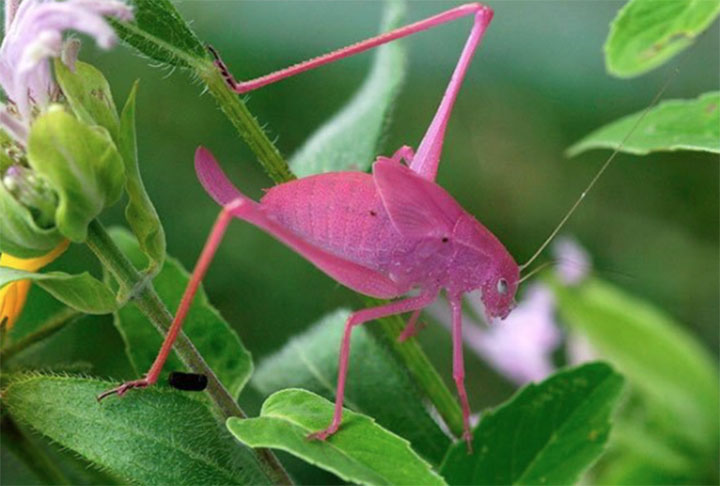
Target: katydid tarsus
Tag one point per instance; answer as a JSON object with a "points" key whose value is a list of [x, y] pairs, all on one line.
{"points": [[382, 234]]}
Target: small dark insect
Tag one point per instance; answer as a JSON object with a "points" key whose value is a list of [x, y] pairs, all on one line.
{"points": [[187, 381]]}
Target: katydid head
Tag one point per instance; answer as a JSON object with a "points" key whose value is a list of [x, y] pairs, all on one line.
{"points": [[482, 262], [499, 288]]}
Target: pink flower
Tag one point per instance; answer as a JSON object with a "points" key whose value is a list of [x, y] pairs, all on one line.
{"points": [[520, 347], [573, 261], [33, 34]]}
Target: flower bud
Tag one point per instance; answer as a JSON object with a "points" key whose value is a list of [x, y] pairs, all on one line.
{"points": [[33, 192], [82, 165], [21, 234]]}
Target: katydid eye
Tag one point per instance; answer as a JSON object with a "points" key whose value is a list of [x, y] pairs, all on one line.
{"points": [[502, 286]]}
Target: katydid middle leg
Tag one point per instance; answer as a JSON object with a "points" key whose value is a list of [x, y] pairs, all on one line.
{"points": [[355, 319], [411, 328]]}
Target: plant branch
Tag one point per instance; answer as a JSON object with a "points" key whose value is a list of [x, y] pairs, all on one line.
{"points": [[410, 353], [247, 126], [149, 303], [50, 327]]}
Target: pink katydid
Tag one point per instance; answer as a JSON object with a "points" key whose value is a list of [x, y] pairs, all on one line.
{"points": [[383, 234]]}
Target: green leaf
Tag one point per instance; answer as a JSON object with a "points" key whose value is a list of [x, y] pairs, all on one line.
{"points": [[649, 446], [351, 138], [21, 236], [646, 33], [204, 325], [89, 95], [47, 462], [672, 125], [548, 433], [82, 292], [81, 164], [377, 385], [360, 452], [160, 32], [139, 212], [663, 362], [159, 436]]}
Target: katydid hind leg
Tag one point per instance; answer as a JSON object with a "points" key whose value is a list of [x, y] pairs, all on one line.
{"points": [[201, 267], [356, 319], [426, 160]]}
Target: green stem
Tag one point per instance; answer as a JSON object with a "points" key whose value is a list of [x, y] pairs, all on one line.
{"points": [[149, 303], [51, 326], [246, 124], [424, 374]]}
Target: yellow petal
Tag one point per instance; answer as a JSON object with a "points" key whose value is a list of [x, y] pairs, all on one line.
{"points": [[33, 264], [14, 295], [8, 300]]}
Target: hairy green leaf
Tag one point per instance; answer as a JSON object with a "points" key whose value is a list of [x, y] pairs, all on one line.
{"points": [[646, 33], [672, 125], [159, 436], [89, 95], [548, 433], [43, 462], [82, 292], [139, 212], [377, 385], [19, 233], [82, 165], [361, 451], [351, 138], [662, 361], [160, 32], [204, 325]]}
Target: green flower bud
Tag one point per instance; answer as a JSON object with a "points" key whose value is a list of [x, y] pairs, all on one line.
{"points": [[20, 233], [33, 192], [81, 164]]}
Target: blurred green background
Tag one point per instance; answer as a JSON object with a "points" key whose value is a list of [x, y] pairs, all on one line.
{"points": [[537, 85]]}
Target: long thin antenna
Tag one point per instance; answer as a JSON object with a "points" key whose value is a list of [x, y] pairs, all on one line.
{"points": [[599, 173], [535, 270]]}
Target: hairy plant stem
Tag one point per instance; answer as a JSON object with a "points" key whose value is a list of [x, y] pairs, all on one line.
{"points": [[410, 353], [148, 302], [50, 327], [247, 126]]}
